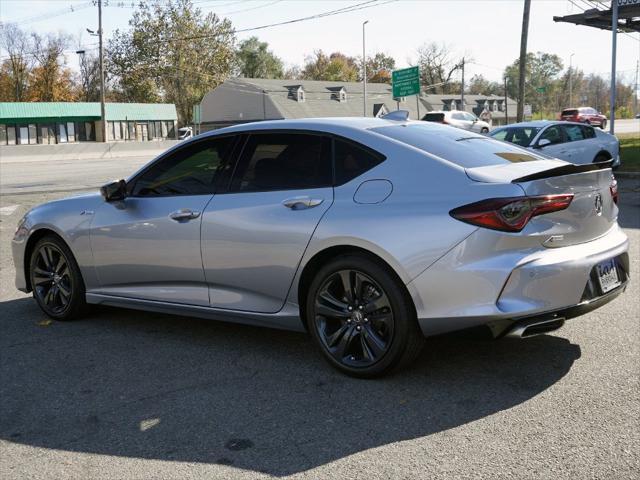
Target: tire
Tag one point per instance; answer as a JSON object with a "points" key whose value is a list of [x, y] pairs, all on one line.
{"points": [[57, 283], [603, 125], [484, 130], [601, 157], [339, 320]]}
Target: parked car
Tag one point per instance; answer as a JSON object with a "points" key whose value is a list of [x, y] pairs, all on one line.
{"points": [[185, 133], [460, 119], [584, 115], [573, 142], [369, 233]]}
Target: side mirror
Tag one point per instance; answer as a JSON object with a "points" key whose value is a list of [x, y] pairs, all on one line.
{"points": [[114, 191], [544, 142]]}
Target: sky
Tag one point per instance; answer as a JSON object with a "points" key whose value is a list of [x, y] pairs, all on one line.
{"points": [[488, 31]]}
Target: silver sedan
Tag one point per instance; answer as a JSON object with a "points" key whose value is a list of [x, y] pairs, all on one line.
{"points": [[369, 233]]}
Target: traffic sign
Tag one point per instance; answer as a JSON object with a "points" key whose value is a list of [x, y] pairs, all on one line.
{"points": [[405, 82], [541, 89], [527, 110]]}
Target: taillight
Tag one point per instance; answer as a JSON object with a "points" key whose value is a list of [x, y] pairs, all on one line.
{"points": [[613, 188], [509, 214]]}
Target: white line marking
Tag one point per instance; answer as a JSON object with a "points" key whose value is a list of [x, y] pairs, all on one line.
{"points": [[8, 210]]}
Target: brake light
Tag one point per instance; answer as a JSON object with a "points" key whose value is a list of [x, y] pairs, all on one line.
{"points": [[509, 214], [613, 188]]}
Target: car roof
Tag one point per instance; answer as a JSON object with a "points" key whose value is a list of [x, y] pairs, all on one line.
{"points": [[320, 124], [541, 124]]}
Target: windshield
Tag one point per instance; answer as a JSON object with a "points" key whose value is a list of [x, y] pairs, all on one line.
{"points": [[457, 146], [522, 136]]}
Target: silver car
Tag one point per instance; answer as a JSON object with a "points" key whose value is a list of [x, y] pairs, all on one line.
{"points": [[570, 141], [459, 119], [369, 233]]}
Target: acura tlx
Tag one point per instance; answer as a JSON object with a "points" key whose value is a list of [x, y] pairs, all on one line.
{"points": [[370, 234]]}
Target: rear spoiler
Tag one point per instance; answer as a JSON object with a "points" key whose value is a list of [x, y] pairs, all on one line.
{"points": [[564, 170]]}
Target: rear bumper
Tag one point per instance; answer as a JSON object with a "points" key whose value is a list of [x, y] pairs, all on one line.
{"points": [[467, 288]]}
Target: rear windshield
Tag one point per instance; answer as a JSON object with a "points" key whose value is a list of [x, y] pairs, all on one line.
{"points": [[522, 136], [434, 117], [570, 112], [463, 148]]}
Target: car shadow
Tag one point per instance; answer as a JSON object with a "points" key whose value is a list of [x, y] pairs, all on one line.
{"points": [[153, 386]]}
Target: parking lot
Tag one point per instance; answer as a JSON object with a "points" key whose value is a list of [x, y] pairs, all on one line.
{"points": [[126, 394]]}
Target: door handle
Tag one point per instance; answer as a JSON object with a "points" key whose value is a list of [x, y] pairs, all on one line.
{"points": [[183, 215], [302, 203]]}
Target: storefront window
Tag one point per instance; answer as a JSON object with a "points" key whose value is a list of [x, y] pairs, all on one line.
{"points": [[71, 131], [62, 133], [171, 128], [23, 135], [116, 131], [164, 129], [132, 130], [89, 131], [11, 134], [3, 134], [33, 135], [159, 130], [152, 131]]}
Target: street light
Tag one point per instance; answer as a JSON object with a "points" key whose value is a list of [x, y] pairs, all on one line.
{"points": [[570, 81], [364, 72]]}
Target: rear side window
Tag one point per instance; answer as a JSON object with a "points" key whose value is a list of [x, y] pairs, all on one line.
{"points": [[283, 161], [574, 132], [462, 148], [571, 112], [522, 136], [352, 161], [434, 117], [588, 132]]}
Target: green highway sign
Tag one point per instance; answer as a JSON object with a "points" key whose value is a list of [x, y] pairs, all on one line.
{"points": [[405, 82], [541, 89]]}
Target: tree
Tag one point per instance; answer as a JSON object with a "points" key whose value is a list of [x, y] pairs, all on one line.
{"points": [[437, 67], [50, 80], [293, 73], [379, 68], [541, 75], [89, 78], [336, 67], [173, 52], [255, 60], [478, 85], [14, 75]]}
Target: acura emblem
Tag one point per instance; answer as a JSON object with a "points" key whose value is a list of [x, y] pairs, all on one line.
{"points": [[598, 204]]}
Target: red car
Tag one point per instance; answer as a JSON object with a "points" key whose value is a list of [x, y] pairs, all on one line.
{"points": [[584, 115]]}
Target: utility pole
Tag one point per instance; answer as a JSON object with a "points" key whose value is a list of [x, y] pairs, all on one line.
{"points": [[612, 89], [523, 58], [635, 91], [101, 56], [462, 101], [364, 72], [570, 81], [506, 108]]}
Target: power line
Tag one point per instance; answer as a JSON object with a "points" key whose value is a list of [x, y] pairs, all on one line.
{"points": [[56, 13]]}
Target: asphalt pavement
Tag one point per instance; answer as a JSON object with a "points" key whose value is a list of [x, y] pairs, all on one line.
{"points": [[124, 394]]}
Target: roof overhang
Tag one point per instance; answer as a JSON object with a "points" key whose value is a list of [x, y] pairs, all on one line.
{"points": [[628, 17]]}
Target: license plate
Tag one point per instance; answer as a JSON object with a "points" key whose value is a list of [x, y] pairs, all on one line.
{"points": [[608, 275]]}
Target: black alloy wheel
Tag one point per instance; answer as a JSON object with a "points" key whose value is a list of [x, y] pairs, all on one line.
{"points": [[56, 280], [362, 317], [354, 318]]}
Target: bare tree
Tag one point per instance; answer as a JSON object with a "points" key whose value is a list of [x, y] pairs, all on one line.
{"points": [[49, 82], [437, 67], [18, 47]]}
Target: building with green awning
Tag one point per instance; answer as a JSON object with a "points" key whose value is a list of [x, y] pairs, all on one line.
{"points": [[24, 123]]}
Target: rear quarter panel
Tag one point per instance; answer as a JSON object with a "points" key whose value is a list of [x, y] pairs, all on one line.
{"points": [[412, 227]]}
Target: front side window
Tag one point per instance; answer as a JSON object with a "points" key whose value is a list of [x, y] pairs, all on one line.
{"points": [[458, 116], [574, 132], [588, 132], [283, 161], [190, 170], [352, 161], [553, 134]]}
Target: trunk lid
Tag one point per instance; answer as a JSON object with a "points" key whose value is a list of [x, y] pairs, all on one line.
{"points": [[591, 214]]}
